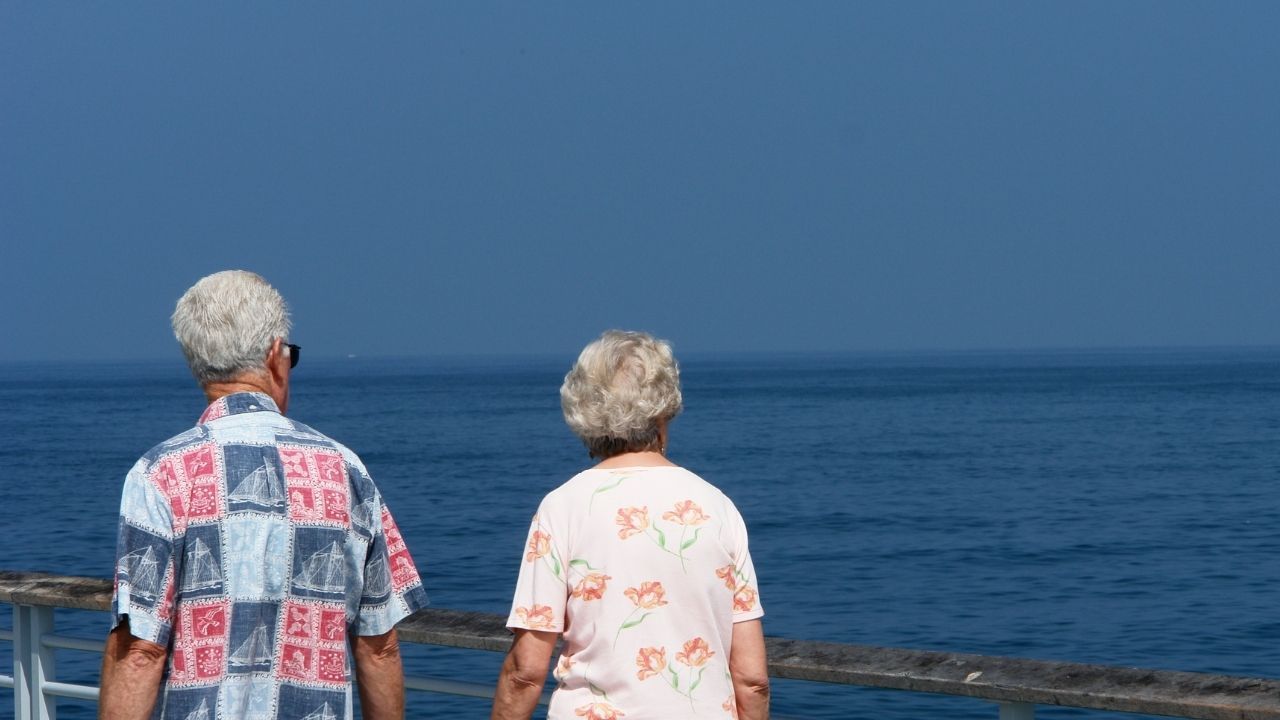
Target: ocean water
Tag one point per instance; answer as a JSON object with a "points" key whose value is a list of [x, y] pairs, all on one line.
{"points": [[1108, 507]]}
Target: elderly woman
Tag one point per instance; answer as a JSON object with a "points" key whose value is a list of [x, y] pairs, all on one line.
{"points": [[639, 563]]}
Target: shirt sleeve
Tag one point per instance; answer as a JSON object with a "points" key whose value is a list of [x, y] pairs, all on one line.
{"points": [[392, 586], [542, 587], [746, 593], [146, 555]]}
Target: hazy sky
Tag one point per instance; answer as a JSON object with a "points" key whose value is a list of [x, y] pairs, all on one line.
{"points": [[469, 177]]}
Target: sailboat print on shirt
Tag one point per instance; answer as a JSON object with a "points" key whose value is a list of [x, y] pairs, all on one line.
{"points": [[203, 571], [260, 487], [324, 571], [377, 581], [143, 572], [364, 513], [321, 713], [200, 713], [254, 651]]}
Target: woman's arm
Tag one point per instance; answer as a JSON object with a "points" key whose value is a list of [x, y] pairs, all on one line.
{"points": [[749, 670], [523, 674]]}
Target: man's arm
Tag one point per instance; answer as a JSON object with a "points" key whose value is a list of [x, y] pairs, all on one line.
{"points": [[749, 670], [131, 672], [379, 675], [523, 674]]}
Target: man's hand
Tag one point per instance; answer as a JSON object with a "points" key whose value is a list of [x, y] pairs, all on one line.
{"points": [[131, 672]]}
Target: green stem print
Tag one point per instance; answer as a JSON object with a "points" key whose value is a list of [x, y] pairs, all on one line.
{"points": [[629, 623], [605, 486], [673, 682], [649, 595]]}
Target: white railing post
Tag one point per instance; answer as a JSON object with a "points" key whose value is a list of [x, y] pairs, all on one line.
{"points": [[1017, 711], [21, 664], [33, 663]]}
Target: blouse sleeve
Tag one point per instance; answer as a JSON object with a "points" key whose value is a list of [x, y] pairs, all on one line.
{"points": [[746, 593], [542, 587]]}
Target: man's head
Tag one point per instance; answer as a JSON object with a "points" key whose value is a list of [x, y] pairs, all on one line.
{"points": [[233, 328]]}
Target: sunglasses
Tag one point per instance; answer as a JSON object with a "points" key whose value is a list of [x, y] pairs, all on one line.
{"points": [[295, 352]]}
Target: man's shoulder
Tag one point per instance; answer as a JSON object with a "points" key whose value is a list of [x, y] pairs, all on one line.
{"points": [[304, 435], [176, 444]]}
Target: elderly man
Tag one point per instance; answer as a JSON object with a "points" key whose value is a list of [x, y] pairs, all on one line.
{"points": [[257, 568]]}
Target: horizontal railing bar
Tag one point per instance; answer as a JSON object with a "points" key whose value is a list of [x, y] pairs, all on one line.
{"points": [[447, 687], [999, 679], [6, 681], [72, 643], [70, 690], [6, 635]]}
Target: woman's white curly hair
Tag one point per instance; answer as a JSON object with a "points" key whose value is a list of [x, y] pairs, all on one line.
{"points": [[622, 387]]}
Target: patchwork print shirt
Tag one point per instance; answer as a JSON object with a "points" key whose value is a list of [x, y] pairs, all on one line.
{"points": [[252, 546]]}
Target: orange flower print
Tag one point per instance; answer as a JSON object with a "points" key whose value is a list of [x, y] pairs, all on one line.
{"points": [[730, 706], [726, 574], [591, 587], [744, 599], [563, 667], [696, 653], [649, 595], [539, 617], [632, 520], [687, 512], [599, 711], [539, 545], [651, 661]]}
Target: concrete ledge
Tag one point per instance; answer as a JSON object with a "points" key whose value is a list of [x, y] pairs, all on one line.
{"points": [[998, 679]]}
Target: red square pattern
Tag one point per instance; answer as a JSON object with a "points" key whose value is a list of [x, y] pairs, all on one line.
{"points": [[317, 483], [200, 642], [314, 644], [193, 483], [403, 572]]}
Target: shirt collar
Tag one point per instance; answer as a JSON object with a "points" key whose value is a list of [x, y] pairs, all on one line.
{"points": [[237, 403]]}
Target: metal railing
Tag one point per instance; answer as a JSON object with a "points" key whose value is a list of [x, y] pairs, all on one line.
{"points": [[1016, 685]]}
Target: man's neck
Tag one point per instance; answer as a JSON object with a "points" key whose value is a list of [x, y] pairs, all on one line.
{"points": [[246, 383]]}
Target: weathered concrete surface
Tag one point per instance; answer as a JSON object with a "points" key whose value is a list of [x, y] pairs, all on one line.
{"points": [[456, 628], [1040, 682], [33, 588]]}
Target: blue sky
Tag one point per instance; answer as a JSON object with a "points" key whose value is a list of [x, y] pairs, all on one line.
{"points": [[511, 178]]}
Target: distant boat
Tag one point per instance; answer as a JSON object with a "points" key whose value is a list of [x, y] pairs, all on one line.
{"points": [[261, 487], [254, 651], [324, 571], [143, 572], [202, 570]]}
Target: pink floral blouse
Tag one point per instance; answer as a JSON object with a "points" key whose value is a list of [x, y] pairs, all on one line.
{"points": [[644, 570]]}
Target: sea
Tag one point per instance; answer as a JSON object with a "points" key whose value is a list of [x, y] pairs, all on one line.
{"points": [[1116, 507]]}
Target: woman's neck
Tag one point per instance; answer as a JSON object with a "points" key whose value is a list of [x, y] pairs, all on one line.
{"points": [[646, 458]]}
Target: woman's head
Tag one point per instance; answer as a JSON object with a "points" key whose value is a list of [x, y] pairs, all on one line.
{"points": [[622, 389]]}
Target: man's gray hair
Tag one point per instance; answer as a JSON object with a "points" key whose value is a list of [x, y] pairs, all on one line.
{"points": [[226, 324], [623, 385]]}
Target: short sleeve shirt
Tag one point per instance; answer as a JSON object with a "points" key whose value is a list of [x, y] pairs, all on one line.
{"points": [[645, 571], [252, 547]]}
